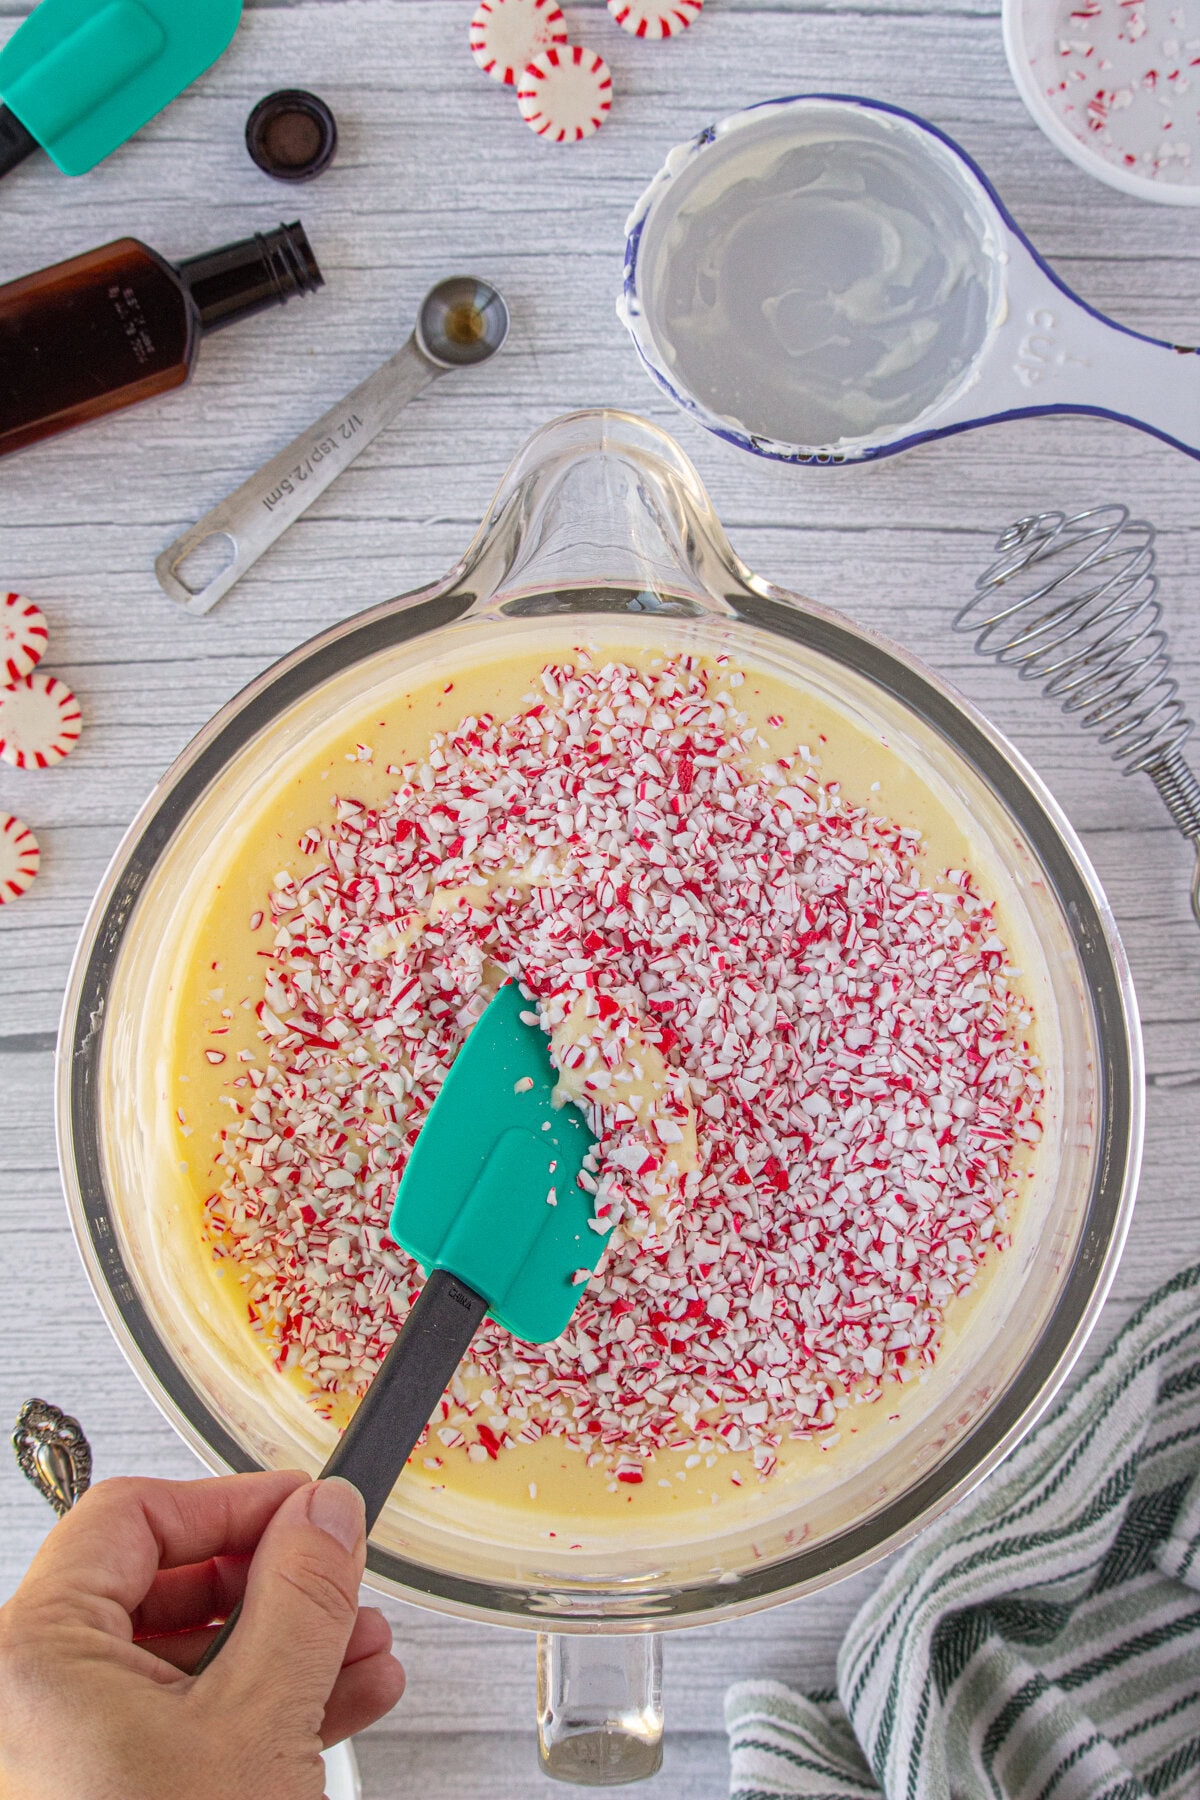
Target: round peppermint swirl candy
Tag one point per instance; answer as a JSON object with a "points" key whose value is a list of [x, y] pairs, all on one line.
{"points": [[654, 19], [565, 93], [39, 722], [22, 636], [19, 858], [507, 34]]}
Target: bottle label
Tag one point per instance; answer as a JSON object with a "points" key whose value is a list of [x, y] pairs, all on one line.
{"points": [[134, 323]]}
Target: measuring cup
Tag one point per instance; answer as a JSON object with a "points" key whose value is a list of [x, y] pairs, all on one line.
{"points": [[827, 279]]}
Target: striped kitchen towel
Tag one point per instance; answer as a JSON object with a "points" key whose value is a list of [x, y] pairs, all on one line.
{"points": [[1042, 1642]]}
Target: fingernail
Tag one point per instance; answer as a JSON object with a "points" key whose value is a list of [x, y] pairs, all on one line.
{"points": [[383, 1620], [337, 1508]]}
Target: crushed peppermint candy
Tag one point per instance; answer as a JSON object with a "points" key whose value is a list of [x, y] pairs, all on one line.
{"points": [[805, 1061], [1124, 77]]}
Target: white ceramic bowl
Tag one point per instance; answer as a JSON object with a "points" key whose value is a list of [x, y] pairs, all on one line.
{"points": [[1030, 33], [341, 1774]]}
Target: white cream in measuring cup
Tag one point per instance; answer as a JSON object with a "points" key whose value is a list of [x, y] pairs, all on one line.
{"points": [[827, 279]]}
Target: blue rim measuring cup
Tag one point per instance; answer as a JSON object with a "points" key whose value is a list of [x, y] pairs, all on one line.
{"points": [[1041, 349]]}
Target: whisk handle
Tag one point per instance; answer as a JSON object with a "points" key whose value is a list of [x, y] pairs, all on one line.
{"points": [[1180, 793]]}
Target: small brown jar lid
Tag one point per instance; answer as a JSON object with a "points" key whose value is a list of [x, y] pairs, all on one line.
{"points": [[292, 135]]}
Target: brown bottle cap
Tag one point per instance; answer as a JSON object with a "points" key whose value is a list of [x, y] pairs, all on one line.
{"points": [[292, 135]]}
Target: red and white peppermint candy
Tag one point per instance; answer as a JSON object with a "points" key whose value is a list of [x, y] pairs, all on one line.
{"points": [[39, 722], [654, 18], [565, 93], [508, 34], [22, 636], [19, 858]]}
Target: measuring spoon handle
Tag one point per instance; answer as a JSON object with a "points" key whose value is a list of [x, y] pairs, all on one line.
{"points": [[261, 510]]}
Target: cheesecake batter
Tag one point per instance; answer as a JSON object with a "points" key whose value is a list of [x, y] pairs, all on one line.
{"points": [[221, 1025]]}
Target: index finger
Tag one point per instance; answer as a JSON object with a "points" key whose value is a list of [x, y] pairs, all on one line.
{"points": [[113, 1544]]}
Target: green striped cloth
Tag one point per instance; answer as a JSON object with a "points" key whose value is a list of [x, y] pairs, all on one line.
{"points": [[1042, 1642]]}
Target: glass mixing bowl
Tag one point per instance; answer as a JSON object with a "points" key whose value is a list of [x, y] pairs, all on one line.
{"points": [[602, 526]]}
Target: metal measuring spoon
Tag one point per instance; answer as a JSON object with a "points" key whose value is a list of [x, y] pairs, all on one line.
{"points": [[461, 322]]}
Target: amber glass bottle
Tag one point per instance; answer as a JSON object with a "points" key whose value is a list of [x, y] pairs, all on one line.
{"points": [[120, 324]]}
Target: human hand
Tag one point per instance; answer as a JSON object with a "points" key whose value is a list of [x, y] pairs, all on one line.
{"points": [[97, 1643]]}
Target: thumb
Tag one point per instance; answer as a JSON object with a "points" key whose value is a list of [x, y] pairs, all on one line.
{"points": [[300, 1605]]}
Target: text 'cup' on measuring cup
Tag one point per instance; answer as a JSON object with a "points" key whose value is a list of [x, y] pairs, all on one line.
{"points": [[827, 279]]}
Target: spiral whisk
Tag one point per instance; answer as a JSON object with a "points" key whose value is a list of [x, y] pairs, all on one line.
{"points": [[1072, 603]]}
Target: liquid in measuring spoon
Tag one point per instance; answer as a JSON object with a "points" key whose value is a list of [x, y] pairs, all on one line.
{"points": [[815, 288]]}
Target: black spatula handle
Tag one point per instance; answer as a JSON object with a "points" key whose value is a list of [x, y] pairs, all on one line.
{"points": [[15, 142], [395, 1409]]}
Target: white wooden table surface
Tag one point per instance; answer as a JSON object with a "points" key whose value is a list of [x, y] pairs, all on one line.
{"points": [[437, 174]]}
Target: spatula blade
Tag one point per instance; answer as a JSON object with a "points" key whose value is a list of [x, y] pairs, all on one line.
{"points": [[490, 1191], [84, 77]]}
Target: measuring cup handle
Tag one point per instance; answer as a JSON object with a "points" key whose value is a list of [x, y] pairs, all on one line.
{"points": [[1053, 354], [260, 511], [1124, 376]]}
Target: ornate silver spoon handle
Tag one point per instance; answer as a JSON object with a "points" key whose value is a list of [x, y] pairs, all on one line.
{"points": [[53, 1453]]}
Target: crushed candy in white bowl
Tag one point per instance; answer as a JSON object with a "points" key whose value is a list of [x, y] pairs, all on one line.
{"points": [[1116, 84]]}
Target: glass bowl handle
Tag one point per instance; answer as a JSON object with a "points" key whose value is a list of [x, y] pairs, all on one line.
{"points": [[599, 1707], [602, 506]]}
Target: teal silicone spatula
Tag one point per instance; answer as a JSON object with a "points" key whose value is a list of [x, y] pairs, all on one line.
{"points": [[490, 1206], [81, 76]]}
